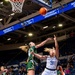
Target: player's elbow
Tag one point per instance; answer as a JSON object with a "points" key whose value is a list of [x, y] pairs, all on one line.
{"points": [[41, 57]]}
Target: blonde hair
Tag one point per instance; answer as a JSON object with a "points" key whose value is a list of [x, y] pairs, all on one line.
{"points": [[48, 49], [24, 48]]}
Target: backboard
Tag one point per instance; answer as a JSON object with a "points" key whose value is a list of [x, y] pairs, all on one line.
{"points": [[45, 3]]}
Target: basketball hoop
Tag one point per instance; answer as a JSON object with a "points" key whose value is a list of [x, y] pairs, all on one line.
{"points": [[17, 5]]}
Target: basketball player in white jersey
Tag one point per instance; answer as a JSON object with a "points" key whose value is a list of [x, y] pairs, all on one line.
{"points": [[51, 59]]}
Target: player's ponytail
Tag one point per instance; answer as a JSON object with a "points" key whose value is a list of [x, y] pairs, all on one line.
{"points": [[47, 49], [24, 48]]}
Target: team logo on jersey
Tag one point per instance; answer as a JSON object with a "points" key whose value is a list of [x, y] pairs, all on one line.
{"points": [[52, 62]]}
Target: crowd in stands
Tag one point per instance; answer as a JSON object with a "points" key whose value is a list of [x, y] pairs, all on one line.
{"points": [[67, 64]]}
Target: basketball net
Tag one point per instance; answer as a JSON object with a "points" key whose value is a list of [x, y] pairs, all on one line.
{"points": [[17, 5]]}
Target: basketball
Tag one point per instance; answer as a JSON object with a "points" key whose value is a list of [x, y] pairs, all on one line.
{"points": [[43, 11]]}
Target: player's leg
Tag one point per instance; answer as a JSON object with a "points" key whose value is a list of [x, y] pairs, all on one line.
{"points": [[54, 72], [45, 72], [30, 68], [31, 72]]}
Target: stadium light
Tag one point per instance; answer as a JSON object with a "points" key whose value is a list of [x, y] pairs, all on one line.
{"points": [[1, 3], [1, 19], [60, 25], [30, 34], [12, 14], [6, 0], [45, 27], [9, 39], [54, 27]]}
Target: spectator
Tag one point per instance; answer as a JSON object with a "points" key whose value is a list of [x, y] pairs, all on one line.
{"points": [[67, 70], [60, 70], [3, 70], [11, 72], [22, 71]]}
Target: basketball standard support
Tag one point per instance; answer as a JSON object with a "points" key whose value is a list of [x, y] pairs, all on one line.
{"points": [[68, 17], [29, 20], [9, 19]]}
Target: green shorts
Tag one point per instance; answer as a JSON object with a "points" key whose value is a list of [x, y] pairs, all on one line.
{"points": [[30, 65]]}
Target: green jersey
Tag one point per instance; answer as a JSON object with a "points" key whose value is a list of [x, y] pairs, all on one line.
{"points": [[31, 58], [58, 72]]}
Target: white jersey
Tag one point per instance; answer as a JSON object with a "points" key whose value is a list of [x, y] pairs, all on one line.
{"points": [[51, 62]]}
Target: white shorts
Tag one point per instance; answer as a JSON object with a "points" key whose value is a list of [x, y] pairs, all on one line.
{"points": [[49, 72]]}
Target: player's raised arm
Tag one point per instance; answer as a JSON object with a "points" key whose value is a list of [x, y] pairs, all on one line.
{"points": [[43, 43], [61, 70], [39, 56], [56, 46]]}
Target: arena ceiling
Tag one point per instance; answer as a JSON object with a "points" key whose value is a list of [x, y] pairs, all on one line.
{"points": [[39, 31]]}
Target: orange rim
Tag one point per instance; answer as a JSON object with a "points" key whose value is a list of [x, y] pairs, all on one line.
{"points": [[17, 0]]}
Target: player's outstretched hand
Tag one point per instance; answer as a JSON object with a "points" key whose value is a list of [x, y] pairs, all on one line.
{"points": [[55, 37], [49, 39]]}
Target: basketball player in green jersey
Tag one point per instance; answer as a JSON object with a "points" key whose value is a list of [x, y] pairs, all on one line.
{"points": [[31, 59], [60, 70]]}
